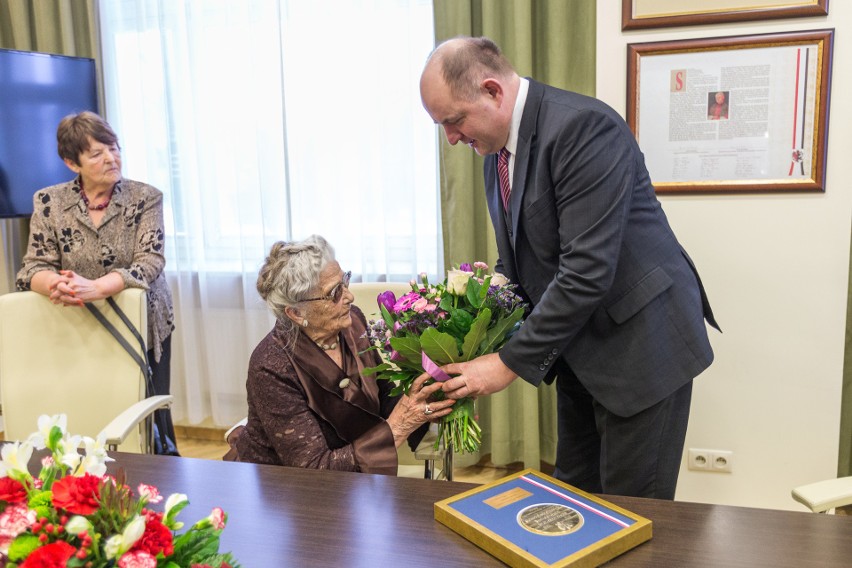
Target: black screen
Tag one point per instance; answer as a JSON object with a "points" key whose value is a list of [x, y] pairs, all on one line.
{"points": [[36, 91]]}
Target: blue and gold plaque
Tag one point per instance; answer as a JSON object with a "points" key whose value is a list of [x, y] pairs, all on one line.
{"points": [[530, 519]]}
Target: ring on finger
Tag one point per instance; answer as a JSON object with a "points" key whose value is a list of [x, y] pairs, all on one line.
{"points": [[427, 411]]}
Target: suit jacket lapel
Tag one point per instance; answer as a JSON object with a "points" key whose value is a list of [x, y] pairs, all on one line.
{"points": [[526, 141]]}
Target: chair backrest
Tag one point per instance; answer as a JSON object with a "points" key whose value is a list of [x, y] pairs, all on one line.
{"points": [[366, 293], [61, 360]]}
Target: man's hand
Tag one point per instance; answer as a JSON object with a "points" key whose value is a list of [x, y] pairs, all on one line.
{"points": [[484, 375]]}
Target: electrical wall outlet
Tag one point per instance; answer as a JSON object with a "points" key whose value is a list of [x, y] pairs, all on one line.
{"points": [[719, 461]]}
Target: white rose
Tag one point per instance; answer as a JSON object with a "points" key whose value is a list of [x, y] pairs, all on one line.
{"points": [[499, 280], [457, 282]]}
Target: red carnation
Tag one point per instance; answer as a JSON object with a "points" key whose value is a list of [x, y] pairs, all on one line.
{"points": [[77, 495], [12, 491], [156, 538], [54, 555]]}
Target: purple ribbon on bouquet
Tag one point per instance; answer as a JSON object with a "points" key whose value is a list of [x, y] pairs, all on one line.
{"points": [[434, 370]]}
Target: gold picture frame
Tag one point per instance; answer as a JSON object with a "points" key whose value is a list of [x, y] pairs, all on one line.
{"points": [[531, 520], [743, 113], [640, 14]]}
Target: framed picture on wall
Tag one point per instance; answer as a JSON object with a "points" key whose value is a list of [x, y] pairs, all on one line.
{"points": [[733, 114], [638, 14]]}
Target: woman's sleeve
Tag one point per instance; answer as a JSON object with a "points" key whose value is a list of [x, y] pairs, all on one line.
{"points": [[42, 248], [149, 246]]}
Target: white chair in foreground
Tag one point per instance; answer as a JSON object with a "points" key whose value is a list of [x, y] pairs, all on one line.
{"points": [[56, 360], [822, 496]]}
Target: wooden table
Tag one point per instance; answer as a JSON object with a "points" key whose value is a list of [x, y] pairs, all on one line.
{"points": [[282, 516]]}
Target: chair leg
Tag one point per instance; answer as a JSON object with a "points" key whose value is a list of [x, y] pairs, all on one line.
{"points": [[148, 435], [448, 462]]}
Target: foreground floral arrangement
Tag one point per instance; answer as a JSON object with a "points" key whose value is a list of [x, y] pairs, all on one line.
{"points": [[469, 314], [75, 515]]}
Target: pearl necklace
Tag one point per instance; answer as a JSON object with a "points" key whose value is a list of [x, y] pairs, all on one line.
{"points": [[330, 347]]}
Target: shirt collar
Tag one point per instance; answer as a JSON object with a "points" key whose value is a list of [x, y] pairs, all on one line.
{"points": [[517, 113]]}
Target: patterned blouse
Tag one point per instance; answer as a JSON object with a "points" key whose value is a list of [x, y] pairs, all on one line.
{"points": [[129, 241]]}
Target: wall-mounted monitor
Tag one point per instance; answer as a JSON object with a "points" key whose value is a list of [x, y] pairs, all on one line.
{"points": [[36, 91]]}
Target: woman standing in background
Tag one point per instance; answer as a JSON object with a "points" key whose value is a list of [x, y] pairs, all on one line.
{"points": [[98, 234]]}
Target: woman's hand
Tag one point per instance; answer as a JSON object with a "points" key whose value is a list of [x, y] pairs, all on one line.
{"points": [[411, 410], [71, 289], [56, 286]]}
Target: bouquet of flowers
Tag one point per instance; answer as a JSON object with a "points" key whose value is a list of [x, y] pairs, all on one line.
{"points": [[75, 515], [469, 314]]}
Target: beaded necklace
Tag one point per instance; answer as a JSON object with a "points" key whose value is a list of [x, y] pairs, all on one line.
{"points": [[99, 207]]}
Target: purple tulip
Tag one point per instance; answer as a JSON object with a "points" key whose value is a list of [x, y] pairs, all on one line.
{"points": [[387, 299], [395, 356], [465, 267]]}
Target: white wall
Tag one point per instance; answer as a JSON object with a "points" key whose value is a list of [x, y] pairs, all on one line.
{"points": [[776, 268]]}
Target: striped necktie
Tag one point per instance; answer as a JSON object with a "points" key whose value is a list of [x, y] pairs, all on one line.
{"points": [[503, 173]]}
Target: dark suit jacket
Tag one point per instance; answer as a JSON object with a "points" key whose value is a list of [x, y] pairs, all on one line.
{"points": [[616, 300]]}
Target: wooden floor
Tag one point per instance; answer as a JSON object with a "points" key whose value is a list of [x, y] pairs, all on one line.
{"points": [[210, 444]]}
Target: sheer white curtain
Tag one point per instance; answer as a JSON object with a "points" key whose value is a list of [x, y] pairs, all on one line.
{"points": [[265, 120]]}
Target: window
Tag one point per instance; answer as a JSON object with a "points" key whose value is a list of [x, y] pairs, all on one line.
{"points": [[265, 120]]}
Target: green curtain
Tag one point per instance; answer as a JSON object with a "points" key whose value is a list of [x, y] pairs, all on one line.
{"points": [[66, 27], [552, 41], [844, 463]]}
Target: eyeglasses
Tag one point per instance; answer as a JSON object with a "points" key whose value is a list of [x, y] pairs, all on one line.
{"points": [[336, 293]]}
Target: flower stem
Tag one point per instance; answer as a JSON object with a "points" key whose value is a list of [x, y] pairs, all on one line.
{"points": [[460, 429]]}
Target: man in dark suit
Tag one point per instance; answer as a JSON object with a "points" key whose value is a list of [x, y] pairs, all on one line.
{"points": [[618, 309]]}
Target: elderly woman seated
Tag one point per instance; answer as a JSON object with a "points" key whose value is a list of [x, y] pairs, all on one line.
{"points": [[309, 403]]}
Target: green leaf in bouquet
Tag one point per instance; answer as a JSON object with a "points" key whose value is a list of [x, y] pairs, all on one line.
{"points": [[475, 292], [497, 334], [440, 347], [476, 335], [404, 376], [410, 367], [458, 324], [193, 546], [407, 347], [404, 382], [376, 369], [402, 379], [483, 289], [169, 518], [446, 303], [386, 315]]}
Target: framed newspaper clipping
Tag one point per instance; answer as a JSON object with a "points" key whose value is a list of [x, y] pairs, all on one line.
{"points": [[530, 519], [639, 14], [733, 114]]}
